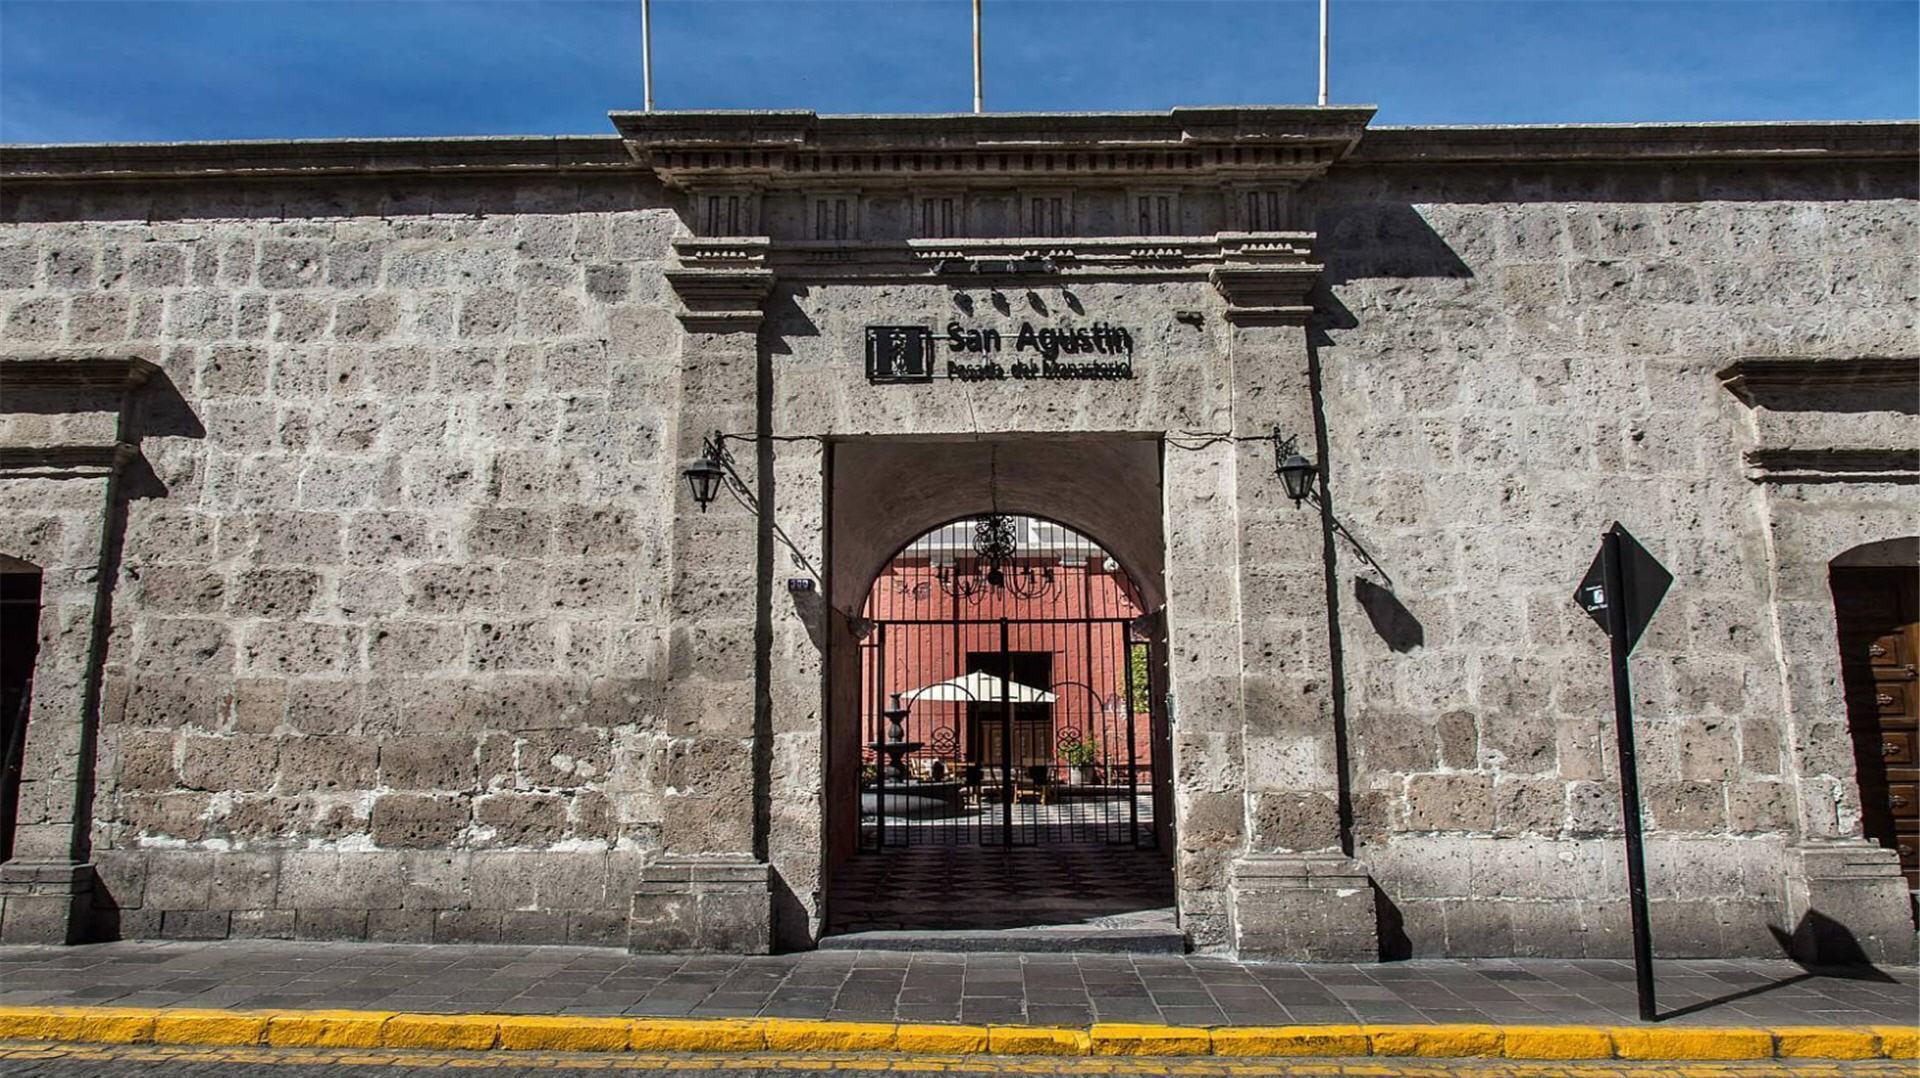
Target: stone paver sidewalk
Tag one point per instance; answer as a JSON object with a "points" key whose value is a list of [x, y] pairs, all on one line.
{"points": [[1040, 989]]}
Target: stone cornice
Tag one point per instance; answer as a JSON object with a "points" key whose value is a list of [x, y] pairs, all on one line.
{"points": [[1761, 380], [1603, 143], [65, 461], [801, 133], [42, 371], [268, 159], [1833, 465], [801, 149]]}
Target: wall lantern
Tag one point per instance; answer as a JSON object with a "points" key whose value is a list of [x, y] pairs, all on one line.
{"points": [[706, 473], [1296, 472]]}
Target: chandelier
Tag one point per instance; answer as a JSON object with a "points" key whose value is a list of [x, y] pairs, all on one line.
{"points": [[996, 568]]}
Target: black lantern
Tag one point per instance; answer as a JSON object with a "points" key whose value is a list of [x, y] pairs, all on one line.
{"points": [[1296, 472], [705, 475]]}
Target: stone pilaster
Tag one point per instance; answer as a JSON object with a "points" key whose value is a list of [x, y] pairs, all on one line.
{"points": [[46, 888], [1848, 903], [1294, 893], [708, 891]]}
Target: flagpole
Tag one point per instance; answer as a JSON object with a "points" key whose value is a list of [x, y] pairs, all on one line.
{"points": [[978, 106], [646, 50], [1323, 51]]}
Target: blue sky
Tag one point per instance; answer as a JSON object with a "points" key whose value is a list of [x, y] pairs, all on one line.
{"points": [[83, 71]]}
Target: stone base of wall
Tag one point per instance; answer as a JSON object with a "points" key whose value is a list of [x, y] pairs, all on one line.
{"points": [[44, 901], [703, 906], [1302, 909], [1463, 896], [389, 896], [1848, 903]]}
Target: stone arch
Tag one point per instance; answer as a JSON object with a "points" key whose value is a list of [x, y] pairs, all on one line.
{"points": [[1886, 553], [873, 576], [886, 492]]}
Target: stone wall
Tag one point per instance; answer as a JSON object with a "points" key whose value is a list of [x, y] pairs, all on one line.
{"points": [[400, 648], [386, 640], [1513, 359]]}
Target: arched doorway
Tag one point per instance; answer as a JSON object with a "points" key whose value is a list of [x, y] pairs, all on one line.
{"points": [[1014, 759], [1876, 594]]}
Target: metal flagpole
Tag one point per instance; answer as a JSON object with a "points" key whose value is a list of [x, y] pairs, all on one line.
{"points": [[978, 107], [646, 50], [1323, 51]]}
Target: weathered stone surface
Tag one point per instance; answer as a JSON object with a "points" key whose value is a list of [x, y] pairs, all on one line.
{"points": [[418, 590]]}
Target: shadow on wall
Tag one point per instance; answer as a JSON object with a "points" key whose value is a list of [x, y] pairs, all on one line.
{"points": [[1391, 924], [1820, 942], [1357, 240], [1390, 617]]}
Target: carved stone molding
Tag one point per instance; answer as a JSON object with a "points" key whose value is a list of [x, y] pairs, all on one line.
{"points": [[1265, 277], [699, 150], [1833, 465], [721, 283], [1829, 420], [65, 461], [42, 371], [1767, 381]]}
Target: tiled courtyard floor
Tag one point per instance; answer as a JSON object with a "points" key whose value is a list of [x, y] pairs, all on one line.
{"points": [[921, 987]]}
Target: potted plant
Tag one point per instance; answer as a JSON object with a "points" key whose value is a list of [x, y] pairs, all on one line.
{"points": [[1081, 757]]}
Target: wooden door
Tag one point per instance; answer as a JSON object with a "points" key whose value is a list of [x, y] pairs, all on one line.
{"points": [[1879, 617]]}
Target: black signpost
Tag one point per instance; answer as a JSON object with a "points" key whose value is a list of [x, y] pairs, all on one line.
{"points": [[1620, 592]]}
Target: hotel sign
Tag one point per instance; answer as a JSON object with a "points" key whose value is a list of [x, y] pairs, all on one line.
{"points": [[913, 354]]}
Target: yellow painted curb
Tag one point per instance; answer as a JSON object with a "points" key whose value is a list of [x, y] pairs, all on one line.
{"points": [[1436, 1041], [1038, 1041], [458, 1032], [565, 1033], [940, 1040], [1290, 1041], [96, 1025], [1898, 1042], [1137, 1039], [581, 1033], [1634, 1042], [794, 1035], [1819, 1042], [326, 1029], [698, 1035], [1557, 1042], [208, 1027]]}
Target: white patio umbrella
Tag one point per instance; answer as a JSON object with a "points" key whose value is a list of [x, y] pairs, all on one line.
{"points": [[978, 687]]}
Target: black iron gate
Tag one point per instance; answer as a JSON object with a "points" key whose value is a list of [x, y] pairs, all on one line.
{"points": [[1008, 694]]}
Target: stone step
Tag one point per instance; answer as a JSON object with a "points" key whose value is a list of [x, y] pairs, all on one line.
{"points": [[1050, 940]]}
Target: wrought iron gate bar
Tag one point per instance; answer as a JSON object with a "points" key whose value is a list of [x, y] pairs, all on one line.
{"points": [[1006, 693]]}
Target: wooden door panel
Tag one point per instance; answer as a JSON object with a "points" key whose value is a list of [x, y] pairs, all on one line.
{"points": [[1896, 748], [1878, 613]]}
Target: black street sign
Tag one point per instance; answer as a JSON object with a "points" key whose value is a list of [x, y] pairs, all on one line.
{"points": [[1646, 584], [1621, 591]]}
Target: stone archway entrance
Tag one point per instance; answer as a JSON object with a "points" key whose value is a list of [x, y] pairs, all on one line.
{"points": [[1003, 758]]}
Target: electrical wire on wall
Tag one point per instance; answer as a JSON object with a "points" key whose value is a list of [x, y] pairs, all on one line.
{"points": [[1190, 441]]}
